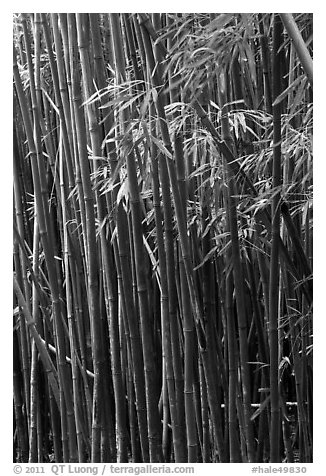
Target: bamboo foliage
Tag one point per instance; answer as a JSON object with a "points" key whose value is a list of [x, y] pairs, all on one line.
{"points": [[162, 237]]}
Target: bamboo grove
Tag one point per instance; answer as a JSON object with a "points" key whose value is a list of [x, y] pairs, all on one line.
{"points": [[162, 251]]}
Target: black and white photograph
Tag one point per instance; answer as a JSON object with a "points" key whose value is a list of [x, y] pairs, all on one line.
{"points": [[162, 211]]}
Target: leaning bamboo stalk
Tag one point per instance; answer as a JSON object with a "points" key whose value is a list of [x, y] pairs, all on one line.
{"points": [[21, 273], [299, 44], [46, 360]]}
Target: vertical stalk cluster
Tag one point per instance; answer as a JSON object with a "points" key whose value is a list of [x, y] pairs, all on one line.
{"points": [[162, 243]]}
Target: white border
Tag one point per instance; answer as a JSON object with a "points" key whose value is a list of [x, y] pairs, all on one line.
{"points": [[319, 201]]}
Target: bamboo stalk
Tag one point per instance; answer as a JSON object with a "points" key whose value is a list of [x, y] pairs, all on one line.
{"points": [[299, 44], [239, 289], [274, 263], [22, 278], [150, 380], [49, 367]]}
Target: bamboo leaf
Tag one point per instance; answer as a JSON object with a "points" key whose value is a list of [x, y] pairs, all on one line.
{"points": [[162, 148], [209, 255], [288, 90]]}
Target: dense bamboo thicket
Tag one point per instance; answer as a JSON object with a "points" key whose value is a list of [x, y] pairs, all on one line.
{"points": [[162, 237]]}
